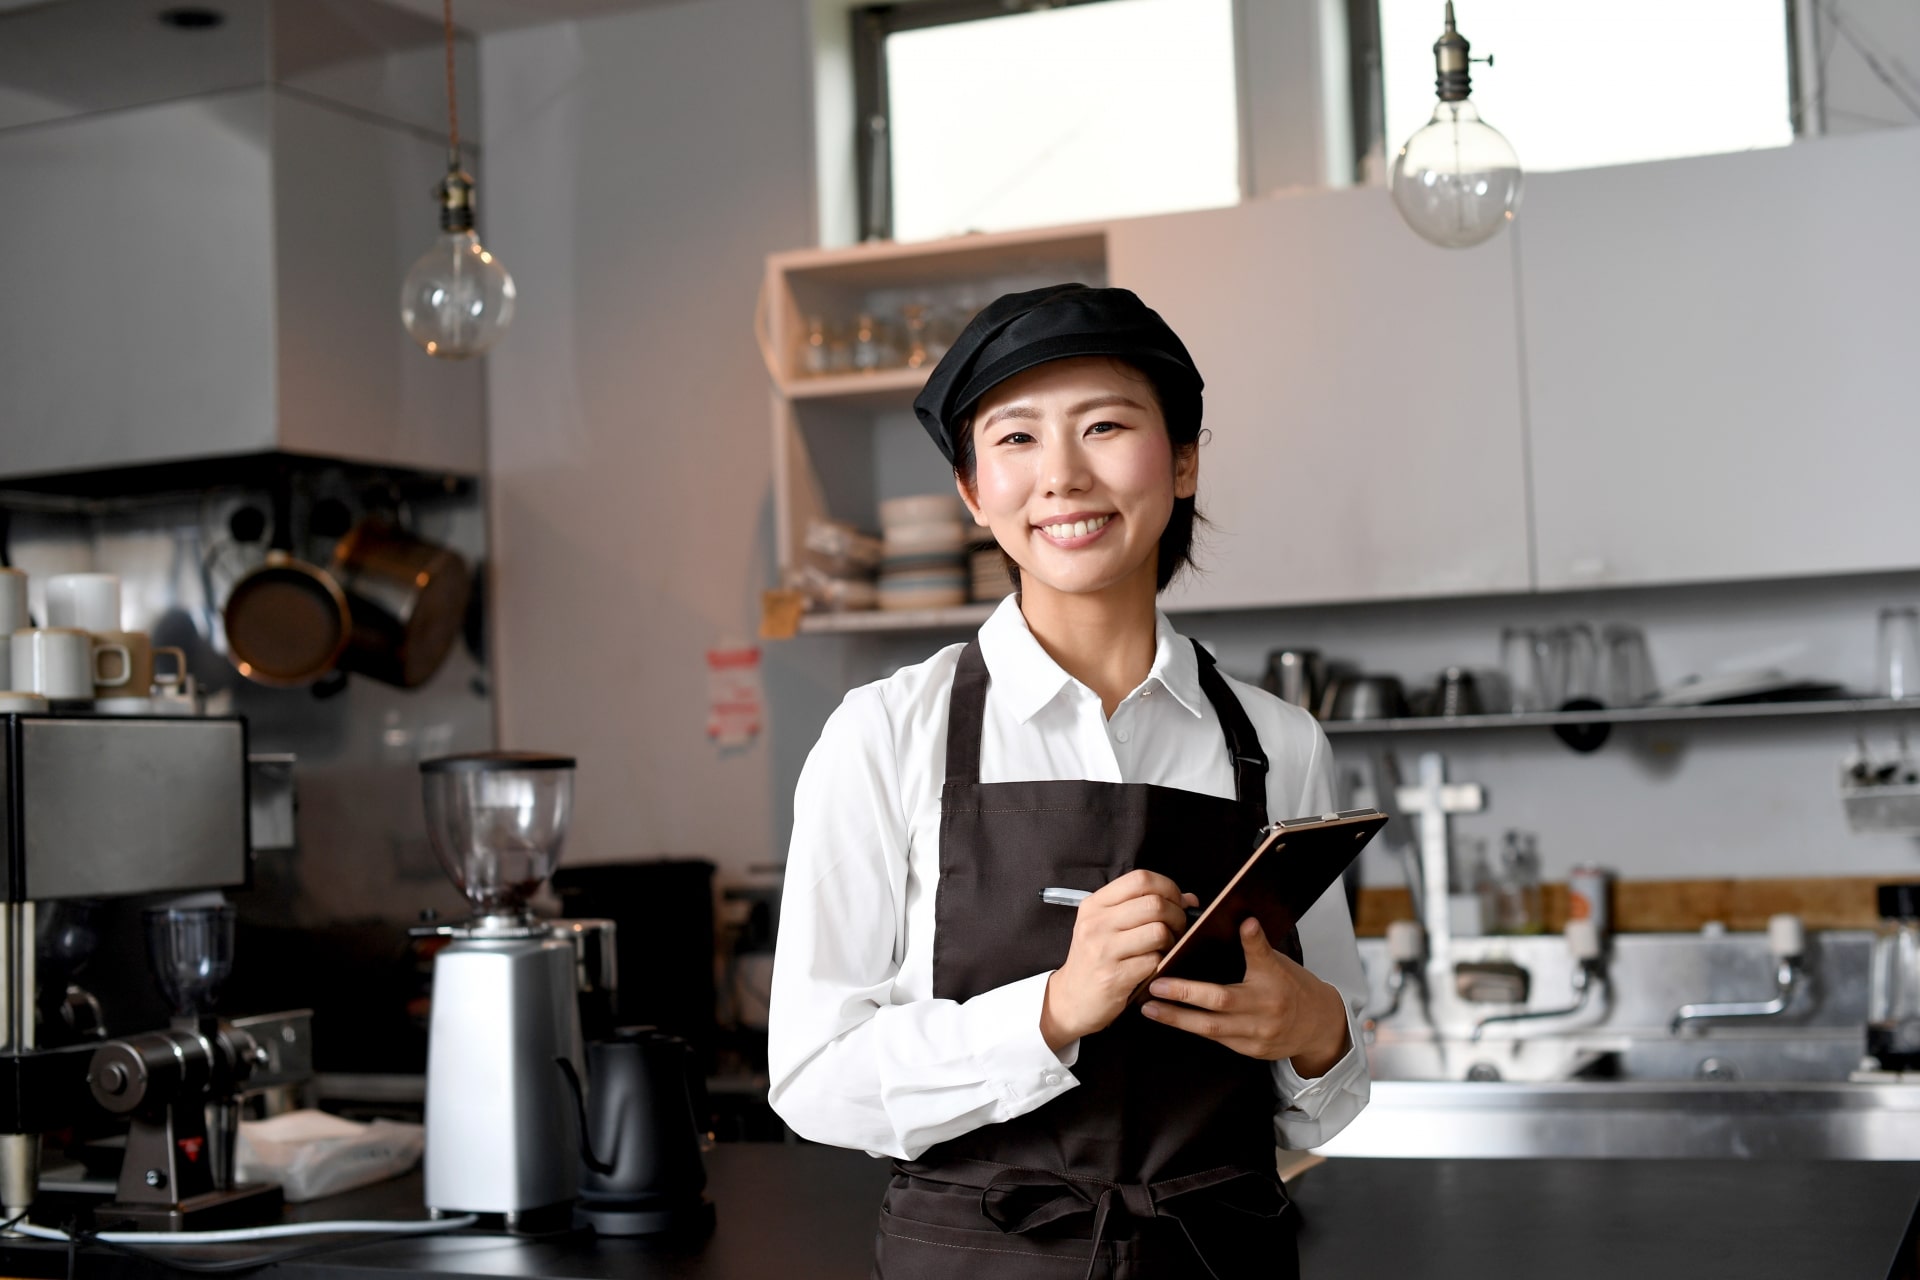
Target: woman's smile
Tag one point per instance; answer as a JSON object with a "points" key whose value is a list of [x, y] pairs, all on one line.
{"points": [[1071, 532]]}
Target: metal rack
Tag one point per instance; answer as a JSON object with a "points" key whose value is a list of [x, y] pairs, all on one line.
{"points": [[1626, 715]]}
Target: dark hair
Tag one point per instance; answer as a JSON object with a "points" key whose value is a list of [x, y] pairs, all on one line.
{"points": [[1180, 406]]}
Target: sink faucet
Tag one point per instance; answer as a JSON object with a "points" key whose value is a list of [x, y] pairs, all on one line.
{"points": [[1589, 975], [1787, 940], [1432, 799], [1406, 948]]}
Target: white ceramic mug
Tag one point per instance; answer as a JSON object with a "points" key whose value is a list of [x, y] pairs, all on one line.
{"points": [[22, 702], [13, 601], [58, 662], [89, 601]]}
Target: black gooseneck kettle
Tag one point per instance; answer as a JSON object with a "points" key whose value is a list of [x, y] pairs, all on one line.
{"points": [[638, 1138]]}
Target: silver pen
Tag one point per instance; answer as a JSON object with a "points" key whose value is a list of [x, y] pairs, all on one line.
{"points": [[1058, 897]]}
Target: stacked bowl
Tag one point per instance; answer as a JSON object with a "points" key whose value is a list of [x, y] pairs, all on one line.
{"points": [[987, 569], [923, 560]]}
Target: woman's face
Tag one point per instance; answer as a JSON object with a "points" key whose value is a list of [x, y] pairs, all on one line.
{"points": [[1074, 473]]}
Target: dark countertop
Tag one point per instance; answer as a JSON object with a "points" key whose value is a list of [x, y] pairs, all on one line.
{"points": [[803, 1211]]}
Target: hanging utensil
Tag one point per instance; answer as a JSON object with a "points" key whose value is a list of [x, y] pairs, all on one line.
{"points": [[287, 621], [408, 599]]}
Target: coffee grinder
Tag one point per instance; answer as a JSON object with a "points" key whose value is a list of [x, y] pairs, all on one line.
{"points": [[502, 1124]]}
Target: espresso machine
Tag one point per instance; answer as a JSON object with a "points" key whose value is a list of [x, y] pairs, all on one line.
{"points": [[504, 1041], [100, 811]]}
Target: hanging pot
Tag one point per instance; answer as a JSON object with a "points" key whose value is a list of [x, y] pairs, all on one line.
{"points": [[287, 621], [408, 599]]}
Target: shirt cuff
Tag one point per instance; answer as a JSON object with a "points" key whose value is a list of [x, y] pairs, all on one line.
{"points": [[1003, 1035], [1299, 1094]]}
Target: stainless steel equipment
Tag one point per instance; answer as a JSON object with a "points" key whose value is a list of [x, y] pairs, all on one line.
{"points": [[1616, 1080], [502, 1127], [1893, 990], [1298, 676], [98, 808], [178, 1171], [1787, 940]]}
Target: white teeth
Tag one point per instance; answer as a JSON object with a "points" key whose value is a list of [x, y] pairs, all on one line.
{"points": [[1075, 528]]}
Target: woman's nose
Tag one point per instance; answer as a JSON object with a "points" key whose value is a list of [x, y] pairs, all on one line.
{"points": [[1066, 467]]}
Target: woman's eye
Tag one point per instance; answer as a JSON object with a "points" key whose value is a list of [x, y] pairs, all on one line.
{"points": [[1103, 428], [1016, 437]]}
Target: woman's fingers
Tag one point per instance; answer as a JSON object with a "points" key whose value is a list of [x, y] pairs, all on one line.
{"points": [[1150, 938], [1134, 884], [1201, 995]]}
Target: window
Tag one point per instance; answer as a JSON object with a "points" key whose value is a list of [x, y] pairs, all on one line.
{"points": [[996, 120], [1576, 86]]}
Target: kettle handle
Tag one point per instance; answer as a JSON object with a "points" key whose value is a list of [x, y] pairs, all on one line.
{"points": [[592, 1161]]}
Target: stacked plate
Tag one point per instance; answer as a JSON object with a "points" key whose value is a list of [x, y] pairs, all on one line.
{"points": [[987, 569], [923, 552]]}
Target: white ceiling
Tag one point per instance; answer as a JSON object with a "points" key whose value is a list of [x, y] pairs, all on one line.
{"points": [[503, 15]]}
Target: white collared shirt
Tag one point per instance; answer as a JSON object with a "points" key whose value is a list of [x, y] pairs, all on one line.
{"points": [[860, 1053]]}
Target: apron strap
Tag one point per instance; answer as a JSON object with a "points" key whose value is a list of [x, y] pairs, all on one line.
{"points": [[966, 712], [1243, 743]]}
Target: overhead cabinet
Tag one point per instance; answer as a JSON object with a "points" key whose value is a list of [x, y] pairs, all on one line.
{"points": [[1676, 372], [1720, 359], [1362, 401]]}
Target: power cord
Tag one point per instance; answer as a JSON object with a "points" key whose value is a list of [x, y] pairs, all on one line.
{"points": [[141, 1244]]}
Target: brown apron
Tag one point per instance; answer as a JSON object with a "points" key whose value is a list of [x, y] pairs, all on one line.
{"points": [[1160, 1163]]}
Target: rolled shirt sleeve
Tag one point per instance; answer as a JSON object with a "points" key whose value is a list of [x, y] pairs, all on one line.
{"points": [[849, 1065]]}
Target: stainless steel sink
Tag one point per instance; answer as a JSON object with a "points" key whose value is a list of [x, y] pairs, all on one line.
{"points": [[1618, 1081]]}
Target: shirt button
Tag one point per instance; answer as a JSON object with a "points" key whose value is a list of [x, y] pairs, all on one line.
{"points": [[1053, 1077], [1121, 735], [1146, 693]]}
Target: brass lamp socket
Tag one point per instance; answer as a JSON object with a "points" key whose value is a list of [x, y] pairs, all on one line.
{"points": [[455, 193], [1450, 63]]}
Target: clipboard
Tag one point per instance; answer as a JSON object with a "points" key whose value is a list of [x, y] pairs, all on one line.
{"points": [[1297, 861]]}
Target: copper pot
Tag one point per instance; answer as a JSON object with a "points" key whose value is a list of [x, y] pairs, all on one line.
{"points": [[408, 599], [287, 622]]}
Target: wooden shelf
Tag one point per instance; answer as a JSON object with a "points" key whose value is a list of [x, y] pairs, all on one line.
{"points": [[880, 389], [959, 617], [1624, 715]]}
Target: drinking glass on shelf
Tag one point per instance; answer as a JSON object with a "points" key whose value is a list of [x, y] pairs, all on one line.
{"points": [[1628, 676], [913, 317], [869, 346], [814, 356], [1520, 664], [1899, 669]]}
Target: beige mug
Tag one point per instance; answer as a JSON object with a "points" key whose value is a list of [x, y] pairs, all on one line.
{"points": [[57, 662], [123, 665], [18, 702]]}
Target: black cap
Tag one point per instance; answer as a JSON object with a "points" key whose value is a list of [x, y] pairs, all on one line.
{"points": [[1900, 902], [496, 762], [1017, 331]]}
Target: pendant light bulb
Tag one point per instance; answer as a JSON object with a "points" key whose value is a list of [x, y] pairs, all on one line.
{"points": [[1457, 180], [457, 299]]}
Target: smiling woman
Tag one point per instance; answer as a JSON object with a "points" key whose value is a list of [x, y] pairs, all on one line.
{"points": [[929, 1003]]}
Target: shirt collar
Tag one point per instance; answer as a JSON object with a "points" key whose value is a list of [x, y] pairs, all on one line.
{"points": [[1026, 677]]}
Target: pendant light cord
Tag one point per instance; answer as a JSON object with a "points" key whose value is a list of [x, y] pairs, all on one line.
{"points": [[453, 102]]}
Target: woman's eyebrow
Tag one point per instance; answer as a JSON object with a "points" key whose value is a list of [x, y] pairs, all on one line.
{"points": [[1085, 406], [1104, 402], [1010, 411]]}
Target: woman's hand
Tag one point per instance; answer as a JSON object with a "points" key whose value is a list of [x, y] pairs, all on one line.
{"points": [[1279, 1010], [1118, 936]]}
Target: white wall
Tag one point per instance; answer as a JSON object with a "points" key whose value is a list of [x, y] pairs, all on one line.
{"points": [[640, 166]]}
